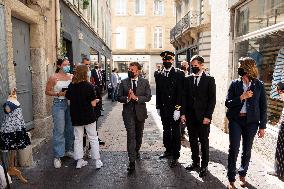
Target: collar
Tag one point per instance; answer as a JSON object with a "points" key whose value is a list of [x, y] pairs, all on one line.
{"points": [[135, 79], [167, 69], [14, 101]]}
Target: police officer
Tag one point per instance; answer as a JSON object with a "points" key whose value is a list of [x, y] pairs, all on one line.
{"points": [[168, 94]]}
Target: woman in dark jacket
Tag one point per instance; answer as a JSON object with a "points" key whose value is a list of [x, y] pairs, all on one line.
{"points": [[82, 102], [247, 114]]}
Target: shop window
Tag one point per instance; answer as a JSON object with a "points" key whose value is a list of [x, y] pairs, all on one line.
{"points": [[265, 51], [258, 14]]}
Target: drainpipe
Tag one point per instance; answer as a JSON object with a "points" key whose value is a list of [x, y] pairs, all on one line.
{"points": [[58, 27]]}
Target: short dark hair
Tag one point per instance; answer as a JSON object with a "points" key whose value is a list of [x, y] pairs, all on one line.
{"points": [[83, 59], [136, 64], [115, 69], [200, 59]]}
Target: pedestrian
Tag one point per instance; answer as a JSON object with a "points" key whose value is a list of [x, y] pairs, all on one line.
{"points": [[198, 103], [134, 92], [186, 72], [114, 84], [63, 136], [247, 114], [82, 100], [279, 158], [168, 103], [86, 61], [96, 77], [157, 71]]}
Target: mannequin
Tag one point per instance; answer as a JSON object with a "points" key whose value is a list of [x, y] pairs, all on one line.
{"points": [[13, 135]]}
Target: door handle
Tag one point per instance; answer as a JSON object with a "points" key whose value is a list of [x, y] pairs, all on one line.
{"points": [[30, 68]]}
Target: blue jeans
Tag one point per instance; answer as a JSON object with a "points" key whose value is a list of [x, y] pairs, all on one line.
{"points": [[239, 128], [63, 132], [113, 93]]}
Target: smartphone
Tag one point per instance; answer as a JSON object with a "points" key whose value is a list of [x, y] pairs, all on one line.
{"points": [[64, 89]]}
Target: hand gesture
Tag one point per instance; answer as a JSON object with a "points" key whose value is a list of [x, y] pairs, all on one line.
{"points": [[61, 93], [246, 95]]}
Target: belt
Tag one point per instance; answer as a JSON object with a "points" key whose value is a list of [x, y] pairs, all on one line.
{"points": [[243, 114]]}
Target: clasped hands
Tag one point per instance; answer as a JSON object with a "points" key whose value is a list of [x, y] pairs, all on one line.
{"points": [[131, 95]]}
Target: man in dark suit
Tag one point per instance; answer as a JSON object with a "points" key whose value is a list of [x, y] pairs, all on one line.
{"points": [[134, 92], [96, 77], [198, 103], [168, 103]]}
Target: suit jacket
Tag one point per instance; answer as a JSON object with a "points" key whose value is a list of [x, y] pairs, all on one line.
{"points": [[143, 92], [95, 77], [256, 105], [168, 91], [199, 101]]}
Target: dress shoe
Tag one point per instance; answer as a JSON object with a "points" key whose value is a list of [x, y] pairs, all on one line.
{"points": [[101, 142], [243, 182], [165, 155], [193, 167], [203, 171], [174, 163], [131, 167], [231, 186]]}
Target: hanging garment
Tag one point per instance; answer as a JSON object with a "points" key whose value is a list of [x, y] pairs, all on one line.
{"points": [[13, 135], [278, 74]]}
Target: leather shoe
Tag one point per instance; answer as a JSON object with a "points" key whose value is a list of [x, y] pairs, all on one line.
{"points": [[174, 163], [243, 182], [101, 142], [131, 167], [165, 155], [193, 167], [231, 186], [203, 172]]}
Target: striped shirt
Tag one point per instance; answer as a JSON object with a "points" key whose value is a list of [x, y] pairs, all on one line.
{"points": [[278, 74]]}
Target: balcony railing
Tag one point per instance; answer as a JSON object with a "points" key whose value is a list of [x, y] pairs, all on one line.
{"points": [[190, 20]]}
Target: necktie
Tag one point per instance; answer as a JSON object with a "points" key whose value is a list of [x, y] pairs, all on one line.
{"points": [[195, 81], [134, 86], [167, 73]]}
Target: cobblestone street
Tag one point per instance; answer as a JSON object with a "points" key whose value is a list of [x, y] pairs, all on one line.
{"points": [[150, 172]]}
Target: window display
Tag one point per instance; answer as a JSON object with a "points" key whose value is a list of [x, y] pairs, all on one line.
{"points": [[264, 51]]}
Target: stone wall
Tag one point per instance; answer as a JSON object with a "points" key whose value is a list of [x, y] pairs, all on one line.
{"points": [[220, 59]]}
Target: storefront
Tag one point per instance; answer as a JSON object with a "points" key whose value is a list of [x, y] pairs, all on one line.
{"points": [[259, 34]]}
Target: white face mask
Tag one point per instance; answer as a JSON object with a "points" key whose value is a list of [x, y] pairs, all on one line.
{"points": [[281, 96]]}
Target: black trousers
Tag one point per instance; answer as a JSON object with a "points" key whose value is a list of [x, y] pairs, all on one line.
{"points": [[197, 131], [171, 134]]}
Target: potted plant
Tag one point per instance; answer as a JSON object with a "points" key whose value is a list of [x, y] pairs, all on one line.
{"points": [[86, 3]]}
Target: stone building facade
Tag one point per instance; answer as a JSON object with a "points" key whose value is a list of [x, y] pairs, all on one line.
{"points": [[192, 33], [140, 31], [29, 55]]}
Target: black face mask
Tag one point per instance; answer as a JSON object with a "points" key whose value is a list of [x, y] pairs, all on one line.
{"points": [[131, 74], [195, 70], [183, 68], [241, 72], [96, 67], [167, 65]]}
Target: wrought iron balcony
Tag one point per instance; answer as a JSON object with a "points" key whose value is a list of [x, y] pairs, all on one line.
{"points": [[190, 20]]}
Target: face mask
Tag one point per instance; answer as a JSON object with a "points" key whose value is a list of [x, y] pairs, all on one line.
{"points": [[66, 69], [241, 72], [195, 70], [183, 68], [167, 65], [131, 74], [96, 67], [89, 74]]}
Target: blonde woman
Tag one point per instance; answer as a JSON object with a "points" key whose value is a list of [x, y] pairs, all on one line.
{"points": [[247, 115], [82, 102]]}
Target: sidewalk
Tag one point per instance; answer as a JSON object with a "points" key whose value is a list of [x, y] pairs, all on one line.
{"points": [[151, 172]]}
